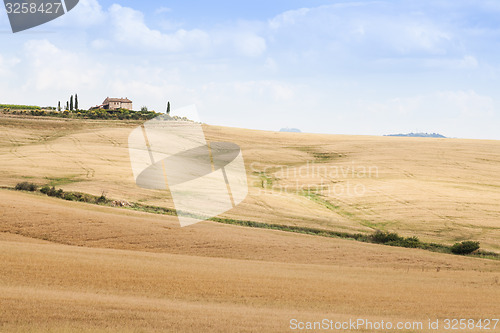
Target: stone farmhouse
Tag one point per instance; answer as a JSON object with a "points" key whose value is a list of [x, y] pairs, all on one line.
{"points": [[116, 103]]}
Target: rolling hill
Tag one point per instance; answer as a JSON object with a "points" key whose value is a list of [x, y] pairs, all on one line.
{"points": [[70, 266]]}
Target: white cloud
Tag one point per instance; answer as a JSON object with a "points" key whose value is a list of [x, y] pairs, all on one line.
{"points": [[50, 73], [249, 44], [271, 91], [365, 29], [398, 106], [8, 76], [6, 66], [86, 13], [288, 18], [467, 103], [51, 68], [446, 104], [100, 44], [271, 65], [262, 104], [295, 16], [417, 35], [131, 29], [163, 10], [466, 62]]}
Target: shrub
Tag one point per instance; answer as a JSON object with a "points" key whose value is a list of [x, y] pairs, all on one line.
{"points": [[51, 192], [393, 239], [45, 189], [465, 247], [70, 197], [385, 237], [25, 186], [410, 242], [85, 197], [102, 199]]}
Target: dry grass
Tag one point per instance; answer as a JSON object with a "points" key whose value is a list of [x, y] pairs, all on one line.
{"points": [[133, 271], [440, 190], [75, 267]]}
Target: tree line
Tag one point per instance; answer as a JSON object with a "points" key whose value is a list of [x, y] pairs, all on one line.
{"points": [[70, 106]]}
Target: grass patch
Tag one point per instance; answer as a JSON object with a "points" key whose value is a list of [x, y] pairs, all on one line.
{"points": [[58, 181], [291, 228], [265, 180], [321, 157], [152, 209], [337, 209], [316, 198], [7, 107]]}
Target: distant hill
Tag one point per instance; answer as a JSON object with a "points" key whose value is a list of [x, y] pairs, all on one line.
{"points": [[292, 130], [419, 135]]}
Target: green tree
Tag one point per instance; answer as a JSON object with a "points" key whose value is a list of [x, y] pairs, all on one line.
{"points": [[168, 108], [59, 106], [71, 103], [76, 102], [67, 105], [144, 109]]}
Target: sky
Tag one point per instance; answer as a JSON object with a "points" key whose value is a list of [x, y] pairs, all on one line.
{"points": [[339, 67]]}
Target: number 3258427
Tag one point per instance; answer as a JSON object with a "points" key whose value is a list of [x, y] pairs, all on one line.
{"points": [[32, 8]]}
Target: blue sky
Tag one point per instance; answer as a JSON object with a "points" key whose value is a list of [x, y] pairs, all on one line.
{"points": [[363, 67]]}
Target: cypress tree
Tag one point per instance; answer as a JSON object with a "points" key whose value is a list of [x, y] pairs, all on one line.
{"points": [[71, 103]]}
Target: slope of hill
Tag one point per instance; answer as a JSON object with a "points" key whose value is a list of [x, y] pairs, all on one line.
{"points": [[77, 267], [438, 190], [66, 267]]}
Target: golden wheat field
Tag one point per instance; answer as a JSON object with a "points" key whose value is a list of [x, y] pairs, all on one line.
{"points": [[77, 267]]}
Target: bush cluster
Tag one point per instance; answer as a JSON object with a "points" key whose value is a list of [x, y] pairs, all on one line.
{"points": [[410, 242], [393, 239], [52, 192], [465, 247], [25, 186], [73, 196], [120, 114], [383, 237]]}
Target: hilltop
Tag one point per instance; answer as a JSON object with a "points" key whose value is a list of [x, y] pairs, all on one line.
{"points": [[420, 135], [290, 130]]}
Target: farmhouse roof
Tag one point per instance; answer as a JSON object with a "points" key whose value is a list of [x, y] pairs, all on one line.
{"points": [[123, 100]]}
